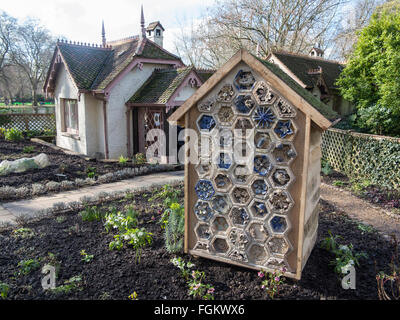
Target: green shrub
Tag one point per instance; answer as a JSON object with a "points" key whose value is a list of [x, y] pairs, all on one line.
{"points": [[91, 214], [371, 77], [174, 228], [123, 161], [344, 255], [13, 135], [4, 289], [140, 158], [27, 266], [28, 149]]}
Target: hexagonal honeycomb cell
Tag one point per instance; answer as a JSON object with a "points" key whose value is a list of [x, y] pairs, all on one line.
{"points": [[280, 201], [242, 150], [263, 117], [222, 182], [281, 177], [244, 103], [203, 211], [239, 216], [257, 253], [243, 127], [226, 94], [276, 264], [284, 129], [203, 246], [278, 246], [264, 94], [263, 140], [259, 209], [258, 231], [204, 168], [238, 239], [278, 224], [225, 115], [219, 224], [241, 174], [206, 123], [224, 138], [206, 105], [220, 245], [285, 109], [262, 165], [203, 231], [238, 255], [240, 195], [204, 189], [284, 153], [221, 204], [244, 80], [224, 161], [260, 188], [205, 146]]}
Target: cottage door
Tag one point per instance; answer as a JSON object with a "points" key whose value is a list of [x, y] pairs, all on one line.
{"points": [[153, 119]]}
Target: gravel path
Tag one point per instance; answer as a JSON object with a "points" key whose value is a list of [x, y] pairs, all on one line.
{"points": [[361, 210]]}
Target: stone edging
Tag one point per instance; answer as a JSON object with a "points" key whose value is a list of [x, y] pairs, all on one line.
{"points": [[38, 189], [65, 207]]}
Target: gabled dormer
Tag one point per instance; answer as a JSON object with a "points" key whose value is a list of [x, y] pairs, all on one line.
{"points": [[155, 32]]}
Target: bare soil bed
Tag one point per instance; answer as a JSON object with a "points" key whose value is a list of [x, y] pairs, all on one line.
{"points": [[115, 275]]}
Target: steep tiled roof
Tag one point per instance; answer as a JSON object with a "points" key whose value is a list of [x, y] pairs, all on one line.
{"points": [[120, 57], [301, 64], [93, 68], [162, 84], [153, 25], [205, 74], [325, 110], [83, 62]]}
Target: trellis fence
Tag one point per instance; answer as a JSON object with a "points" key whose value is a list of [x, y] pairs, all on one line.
{"points": [[364, 156], [28, 121]]}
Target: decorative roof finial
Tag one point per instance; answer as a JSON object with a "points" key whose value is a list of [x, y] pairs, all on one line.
{"points": [[143, 29], [103, 34]]}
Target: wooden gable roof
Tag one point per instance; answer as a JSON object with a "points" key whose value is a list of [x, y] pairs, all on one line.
{"points": [[318, 112]]}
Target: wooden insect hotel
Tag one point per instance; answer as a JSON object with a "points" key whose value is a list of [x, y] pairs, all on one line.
{"points": [[263, 213]]}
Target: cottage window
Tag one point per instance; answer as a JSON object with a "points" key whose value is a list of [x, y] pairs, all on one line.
{"points": [[70, 116], [158, 32]]}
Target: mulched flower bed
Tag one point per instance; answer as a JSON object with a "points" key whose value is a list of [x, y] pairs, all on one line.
{"points": [[63, 167], [115, 275], [377, 195]]}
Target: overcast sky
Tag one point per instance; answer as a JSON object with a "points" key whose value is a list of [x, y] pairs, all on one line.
{"points": [[80, 20]]}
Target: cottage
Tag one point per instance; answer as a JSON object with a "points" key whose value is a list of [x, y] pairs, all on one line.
{"points": [[316, 74], [109, 96], [259, 209]]}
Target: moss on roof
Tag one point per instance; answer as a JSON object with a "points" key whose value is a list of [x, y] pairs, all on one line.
{"points": [[83, 62], [301, 64], [94, 68], [322, 108], [162, 84]]}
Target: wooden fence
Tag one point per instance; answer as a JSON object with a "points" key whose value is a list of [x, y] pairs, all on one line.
{"points": [[28, 121], [363, 156]]}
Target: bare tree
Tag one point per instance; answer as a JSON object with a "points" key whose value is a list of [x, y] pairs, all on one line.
{"points": [[32, 53], [354, 18], [264, 25], [8, 32]]}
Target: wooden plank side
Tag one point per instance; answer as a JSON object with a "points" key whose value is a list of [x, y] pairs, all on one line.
{"points": [[303, 197], [186, 190]]}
